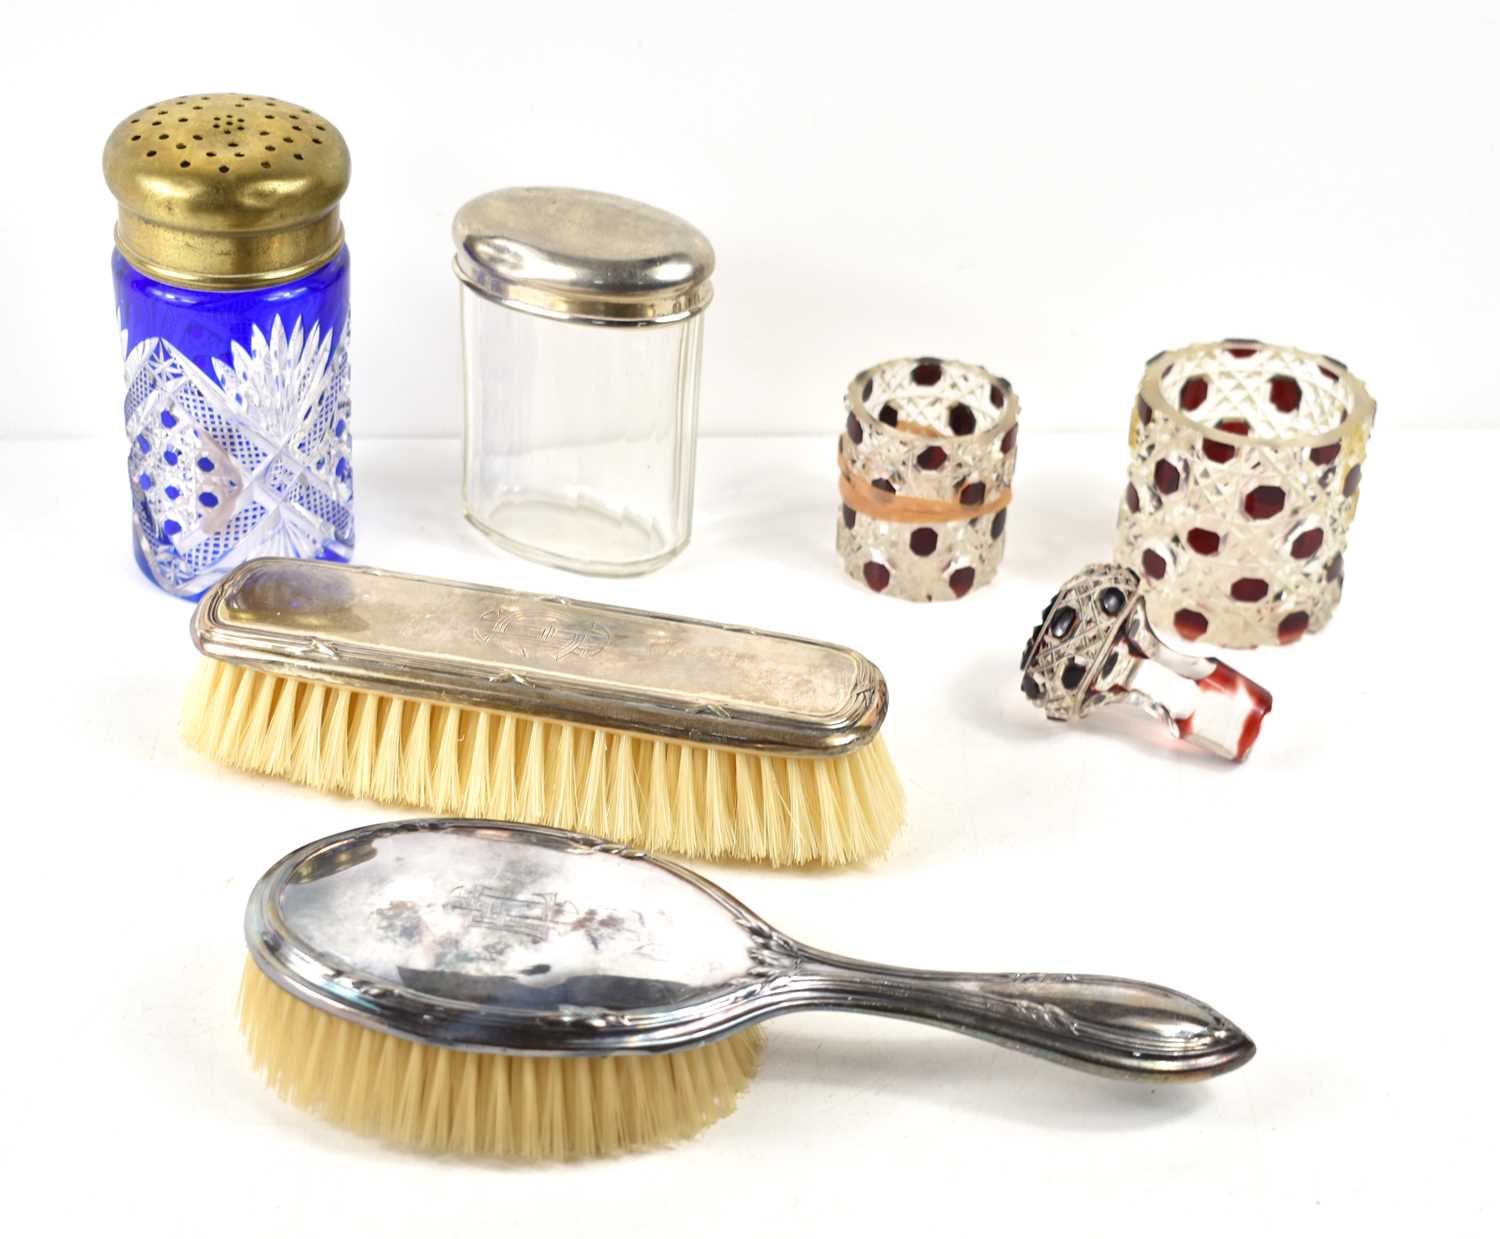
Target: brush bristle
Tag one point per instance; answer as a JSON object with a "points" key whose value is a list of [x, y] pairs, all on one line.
{"points": [[686, 799], [481, 1104]]}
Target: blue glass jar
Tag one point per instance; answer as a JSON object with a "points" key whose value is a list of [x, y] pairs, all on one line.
{"points": [[232, 295], [237, 420]]}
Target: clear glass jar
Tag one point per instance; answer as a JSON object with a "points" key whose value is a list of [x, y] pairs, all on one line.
{"points": [[582, 333]]}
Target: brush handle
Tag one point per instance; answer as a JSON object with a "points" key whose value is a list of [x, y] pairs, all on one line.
{"points": [[1106, 1025]]}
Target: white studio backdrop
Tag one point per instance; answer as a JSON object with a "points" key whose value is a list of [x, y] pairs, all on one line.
{"points": [[1055, 191]]}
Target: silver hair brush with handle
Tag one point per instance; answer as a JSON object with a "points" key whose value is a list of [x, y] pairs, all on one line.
{"points": [[518, 990]]}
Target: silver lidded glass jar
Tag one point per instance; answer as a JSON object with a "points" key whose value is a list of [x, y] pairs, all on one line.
{"points": [[582, 322]]}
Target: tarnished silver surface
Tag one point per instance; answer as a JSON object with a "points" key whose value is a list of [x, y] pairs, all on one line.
{"points": [[582, 256], [495, 936], [577, 662]]}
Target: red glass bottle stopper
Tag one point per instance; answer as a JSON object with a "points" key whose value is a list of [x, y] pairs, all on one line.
{"points": [[1095, 647]]}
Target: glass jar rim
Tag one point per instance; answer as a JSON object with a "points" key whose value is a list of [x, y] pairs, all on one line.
{"points": [[1006, 420], [1361, 410]]}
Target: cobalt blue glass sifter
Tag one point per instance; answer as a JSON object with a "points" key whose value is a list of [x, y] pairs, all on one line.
{"points": [[232, 297]]}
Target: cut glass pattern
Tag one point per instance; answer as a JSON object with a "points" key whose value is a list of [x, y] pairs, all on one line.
{"points": [[933, 444], [253, 460], [1245, 468]]}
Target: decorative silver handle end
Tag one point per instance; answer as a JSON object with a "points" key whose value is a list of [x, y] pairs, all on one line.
{"points": [[1107, 1025]]}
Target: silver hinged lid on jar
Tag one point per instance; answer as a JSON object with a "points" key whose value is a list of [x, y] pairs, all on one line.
{"points": [[583, 256], [580, 438]]}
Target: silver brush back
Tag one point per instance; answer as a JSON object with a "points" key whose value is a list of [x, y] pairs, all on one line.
{"points": [[554, 658], [493, 936]]}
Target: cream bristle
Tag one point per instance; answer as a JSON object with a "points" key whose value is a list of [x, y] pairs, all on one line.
{"points": [[503, 785], [416, 757], [258, 722], [276, 749], [773, 809], [363, 773], [562, 777], [465, 1121], [228, 746], [474, 772], [688, 794], [657, 814], [622, 807], [825, 796], [335, 741], [593, 802], [798, 810], [495, 1105], [692, 800], [531, 801], [446, 785], [716, 812], [307, 738], [747, 798]]}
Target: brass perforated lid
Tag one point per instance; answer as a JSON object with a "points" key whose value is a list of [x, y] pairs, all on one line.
{"points": [[227, 191]]}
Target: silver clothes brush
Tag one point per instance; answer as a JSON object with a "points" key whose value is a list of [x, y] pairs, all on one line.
{"points": [[660, 732], [492, 987]]}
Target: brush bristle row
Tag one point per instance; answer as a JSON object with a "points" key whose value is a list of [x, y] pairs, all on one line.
{"points": [[482, 1104], [686, 799]]}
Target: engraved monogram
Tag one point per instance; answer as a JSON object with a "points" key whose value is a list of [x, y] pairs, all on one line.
{"points": [[540, 916], [539, 634], [535, 917]]}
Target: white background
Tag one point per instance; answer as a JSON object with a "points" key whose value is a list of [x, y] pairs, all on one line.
{"points": [[1056, 192]]}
